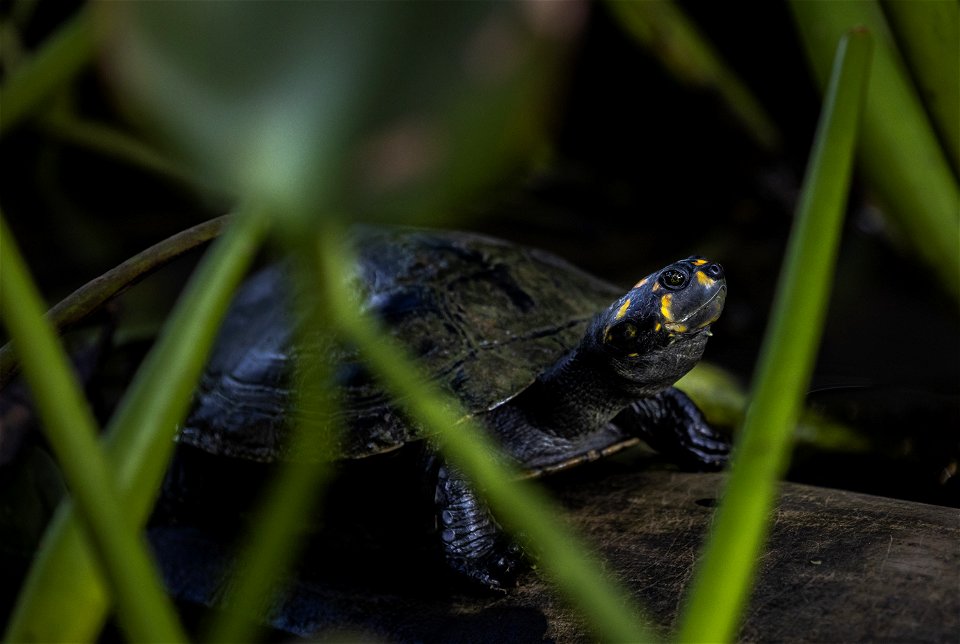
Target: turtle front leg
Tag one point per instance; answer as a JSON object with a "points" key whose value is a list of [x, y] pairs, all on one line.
{"points": [[473, 542], [674, 426]]}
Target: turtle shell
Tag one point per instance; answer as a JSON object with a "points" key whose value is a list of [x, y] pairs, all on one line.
{"points": [[482, 316]]}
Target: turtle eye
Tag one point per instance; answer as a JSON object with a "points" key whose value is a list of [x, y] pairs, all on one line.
{"points": [[673, 279]]}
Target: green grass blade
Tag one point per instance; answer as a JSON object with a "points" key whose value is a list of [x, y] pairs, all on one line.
{"points": [[929, 36], [519, 504], [272, 544], [61, 58], [64, 581], [899, 154], [144, 610], [722, 583]]}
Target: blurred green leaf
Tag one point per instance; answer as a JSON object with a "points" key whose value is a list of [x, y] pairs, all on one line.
{"points": [[928, 34], [723, 580], [372, 108], [724, 402], [898, 153], [716, 393]]}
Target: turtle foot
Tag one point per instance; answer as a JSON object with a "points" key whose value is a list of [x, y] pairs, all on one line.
{"points": [[673, 425], [473, 543]]}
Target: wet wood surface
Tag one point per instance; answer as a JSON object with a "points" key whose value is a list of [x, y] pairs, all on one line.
{"points": [[839, 566]]}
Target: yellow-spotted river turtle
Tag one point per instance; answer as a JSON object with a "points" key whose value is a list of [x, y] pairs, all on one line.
{"points": [[559, 366]]}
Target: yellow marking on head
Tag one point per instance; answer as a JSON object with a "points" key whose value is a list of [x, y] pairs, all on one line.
{"points": [[623, 309], [633, 355], [704, 279], [656, 287], [699, 262], [665, 307], [658, 327], [606, 334], [641, 282]]}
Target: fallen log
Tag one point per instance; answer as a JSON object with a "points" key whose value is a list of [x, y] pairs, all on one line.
{"points": [[839, 566]]}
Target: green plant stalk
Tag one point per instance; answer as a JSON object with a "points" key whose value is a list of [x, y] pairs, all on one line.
{"points": [[899, 154], [64, 597], [722, 583], [144, 610], [273, 542], [519, 504], [668, 34], [62, 57], [94, 294], [929, 36]]}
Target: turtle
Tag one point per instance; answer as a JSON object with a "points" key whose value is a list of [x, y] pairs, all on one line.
{"points": [[559, 366]]}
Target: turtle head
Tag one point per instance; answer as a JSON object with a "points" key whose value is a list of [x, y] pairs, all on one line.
{"points": [[657, 331]]}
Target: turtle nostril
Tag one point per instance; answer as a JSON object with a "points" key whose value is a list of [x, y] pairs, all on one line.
{"points": [[714, 270]]}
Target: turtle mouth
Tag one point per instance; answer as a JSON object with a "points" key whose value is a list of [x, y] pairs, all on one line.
{"points": [[702, 316]]}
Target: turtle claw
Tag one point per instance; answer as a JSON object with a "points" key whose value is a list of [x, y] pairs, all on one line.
{"points": [[497, 569], [707, 449]]}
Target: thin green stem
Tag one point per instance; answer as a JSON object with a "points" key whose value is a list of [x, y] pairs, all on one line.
{"points": [[143, 608], [94, 294], [519, 504], [722, 583], [64, 597]]}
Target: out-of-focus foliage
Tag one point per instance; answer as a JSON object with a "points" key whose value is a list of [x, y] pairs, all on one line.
{"points": [[928, 35], [724, 401], [385, 110]]}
